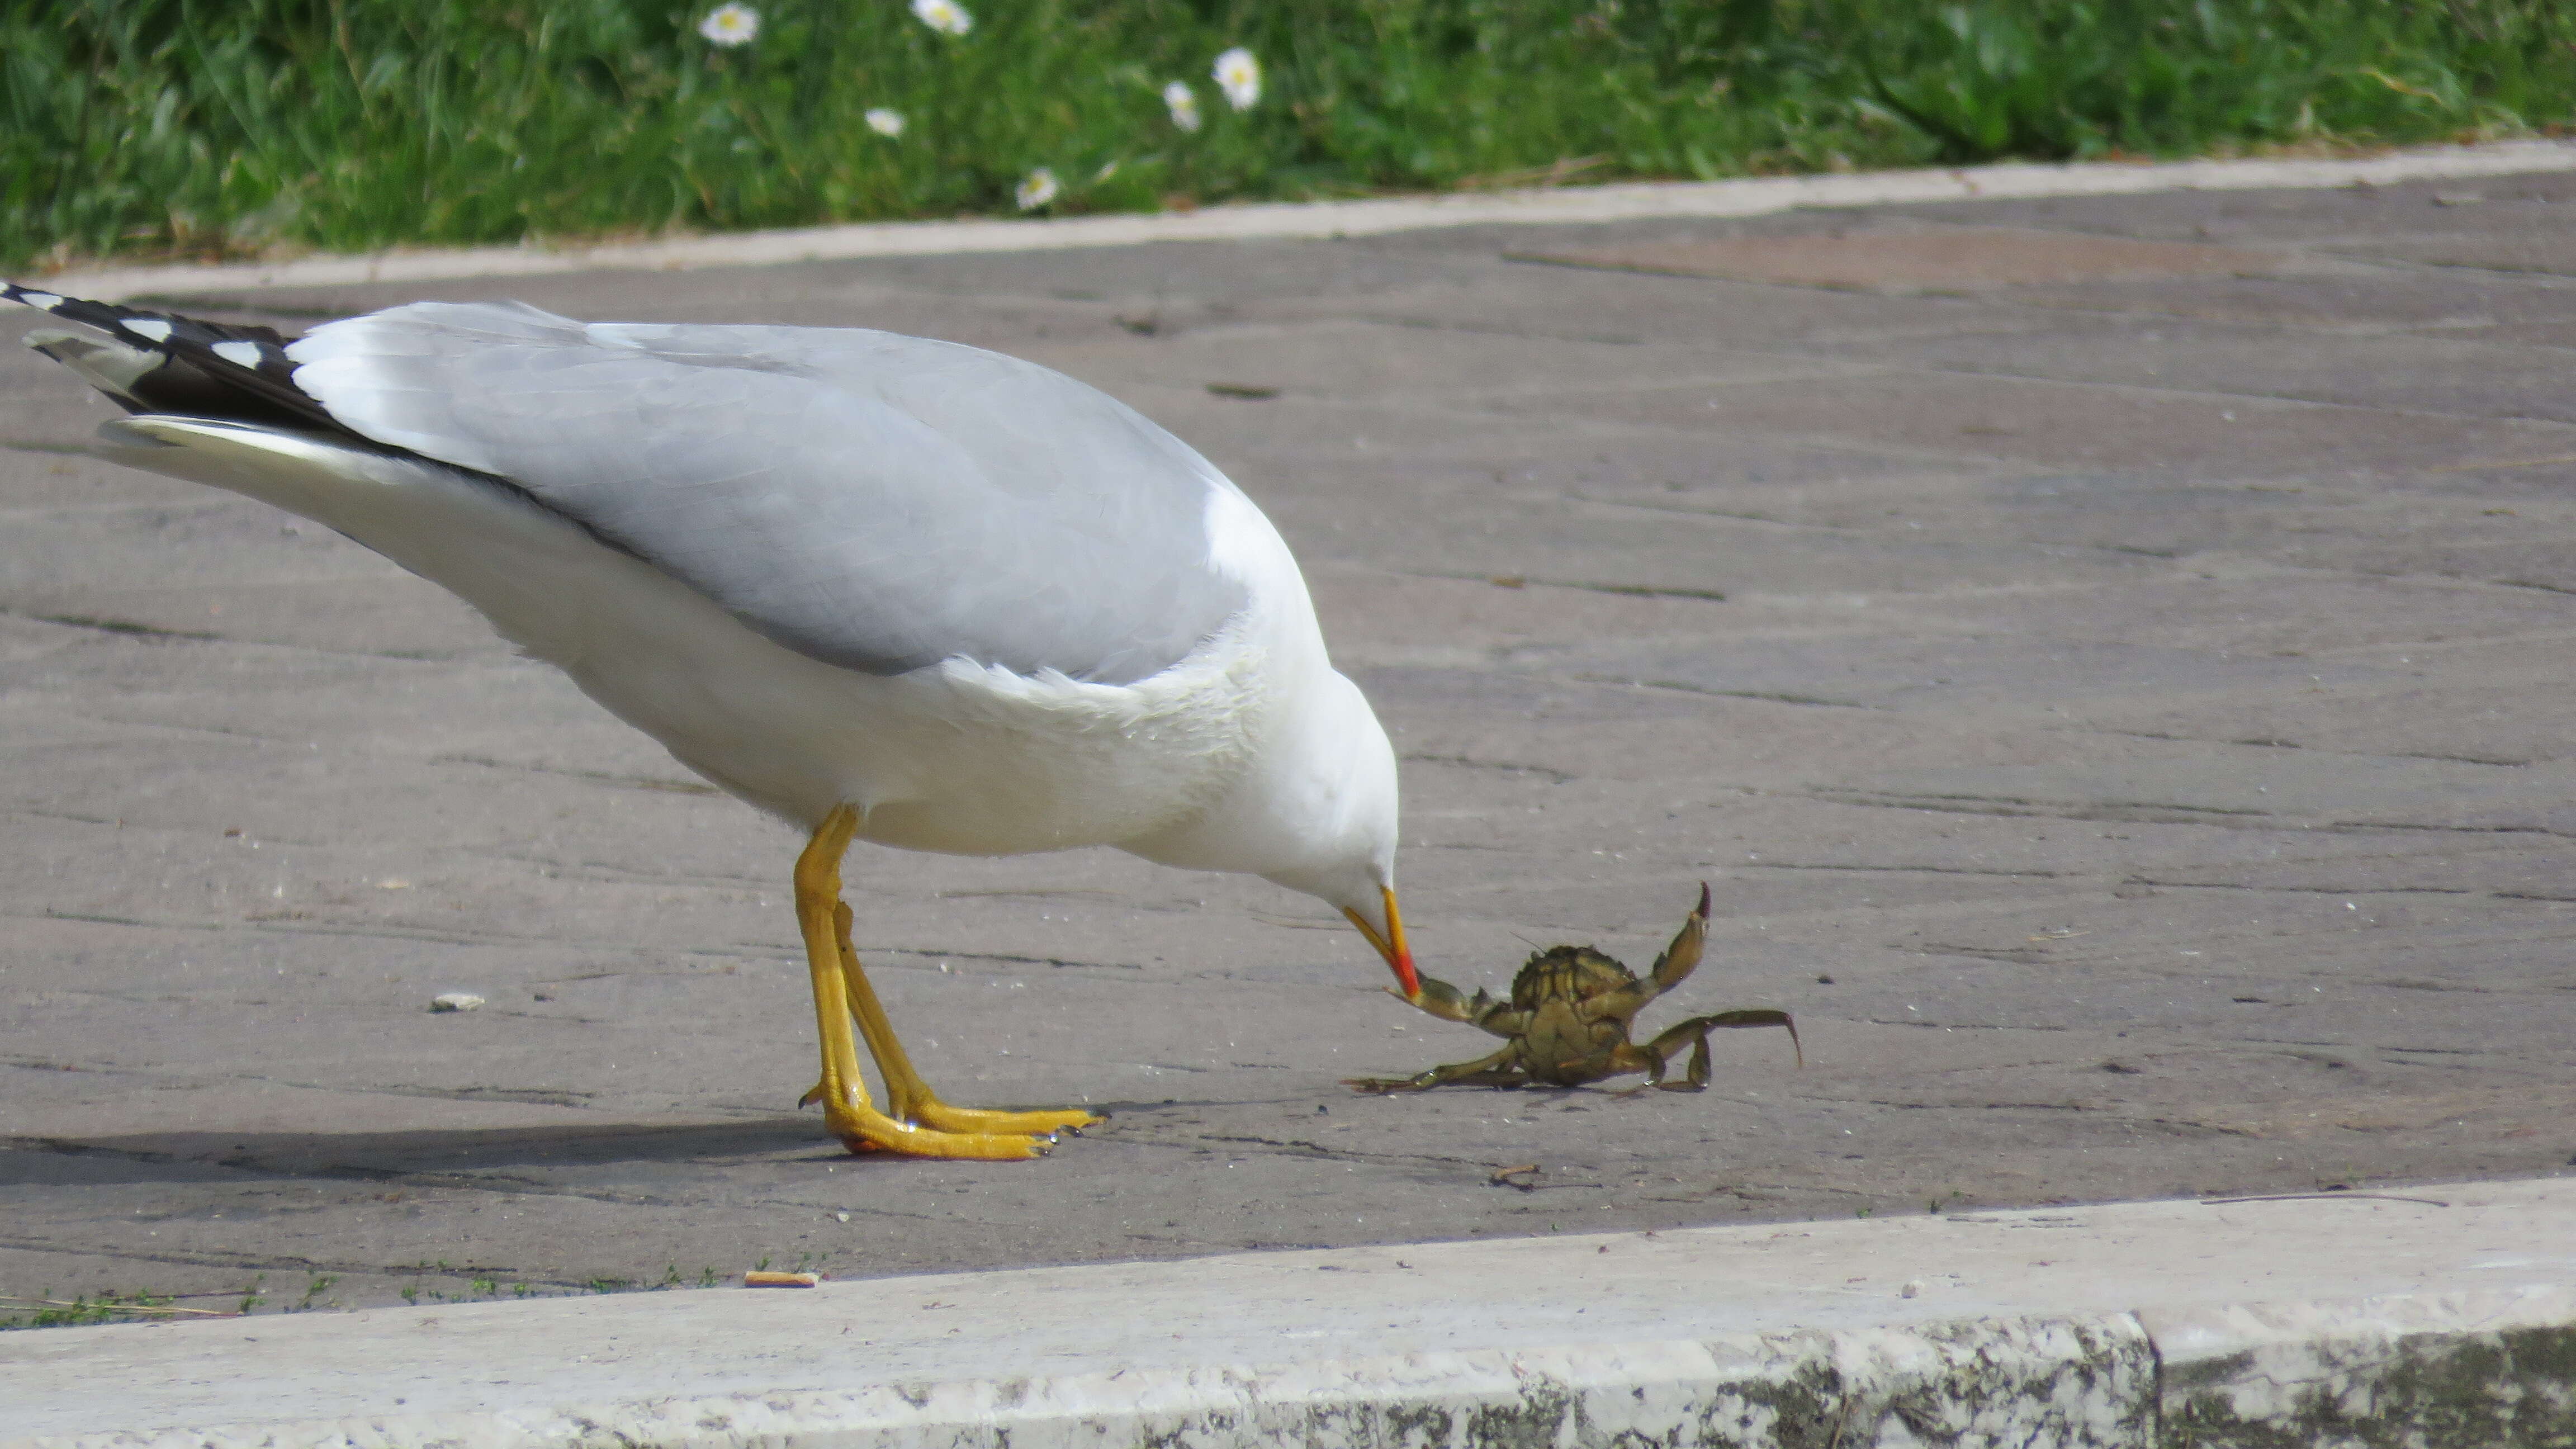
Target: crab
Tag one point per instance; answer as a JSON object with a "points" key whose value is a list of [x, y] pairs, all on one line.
{"points": [[1568, 1017]]}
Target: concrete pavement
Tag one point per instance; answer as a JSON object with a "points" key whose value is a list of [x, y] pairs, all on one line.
{"points": [[2120, 706]]}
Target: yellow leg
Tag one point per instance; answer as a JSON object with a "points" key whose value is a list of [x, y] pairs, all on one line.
{"points": [[908, 1097], [843, 1093]]}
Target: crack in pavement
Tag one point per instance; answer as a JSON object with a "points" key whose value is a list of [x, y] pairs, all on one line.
{"points": [[2010, 955], [1874, 532], [1554, 776], [2018, 805], [1522, 581], [129, 627], [596, 777], [1925, 870], [1955, 1025], [2143, 812], [1981, 1106], [280, 925], [1300, 1147], [2226, 885], [1766, 696], [1005, 957], [137, 630], [2450, 829], [2271, 743], [767, 950]]}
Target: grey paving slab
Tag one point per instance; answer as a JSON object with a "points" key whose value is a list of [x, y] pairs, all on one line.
{"points": [[2413, 372], [2312, 217], [2124, 721], [1924, 258], [2361, 301]]}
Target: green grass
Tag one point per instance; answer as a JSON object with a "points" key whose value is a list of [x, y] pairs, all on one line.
{"points": [[208, 128], [83, 1310]]}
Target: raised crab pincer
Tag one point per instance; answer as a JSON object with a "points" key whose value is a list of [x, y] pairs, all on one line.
{"points": [[1568, 1019]]}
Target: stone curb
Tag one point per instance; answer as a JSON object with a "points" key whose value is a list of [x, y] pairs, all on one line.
{"points": [[2026, 1381], [1755, 196], [2474, 1369], [2490, 1368], [1274, 1353]]}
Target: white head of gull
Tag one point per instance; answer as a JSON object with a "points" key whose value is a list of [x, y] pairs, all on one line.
{"points": [[885, 588]]}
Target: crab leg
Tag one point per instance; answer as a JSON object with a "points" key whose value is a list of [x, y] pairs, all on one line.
{"points": [[1502, 1069], [1657, 1054]]}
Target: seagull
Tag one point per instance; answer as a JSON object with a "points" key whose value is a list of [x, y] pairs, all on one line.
{"points": [[882, 587]]}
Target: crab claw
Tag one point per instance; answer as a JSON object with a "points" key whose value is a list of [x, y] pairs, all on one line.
{"points": [[1443, 1000], [1681, 958]]}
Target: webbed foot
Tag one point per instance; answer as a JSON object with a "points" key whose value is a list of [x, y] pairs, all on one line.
{"points": [[863, 1128]]}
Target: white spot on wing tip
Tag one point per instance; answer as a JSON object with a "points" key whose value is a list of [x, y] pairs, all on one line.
{"points": [[245, 354], [46, 301], [152, 328]]}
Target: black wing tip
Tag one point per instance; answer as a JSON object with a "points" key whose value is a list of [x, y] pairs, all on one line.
{"points": [[76, 309], [252, 349], [105, 316], [208, 369]]}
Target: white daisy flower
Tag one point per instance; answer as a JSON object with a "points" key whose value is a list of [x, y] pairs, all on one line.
{"points": [[945, 16], [730, 25], [884, 122], [1036, 190], [1239, 76], [1184, 103]]}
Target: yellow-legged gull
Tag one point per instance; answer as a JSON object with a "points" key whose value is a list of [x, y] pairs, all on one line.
{"points": [[885, 588]]}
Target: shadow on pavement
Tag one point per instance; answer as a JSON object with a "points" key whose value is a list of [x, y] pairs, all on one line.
{"points": [[367, 1156]]}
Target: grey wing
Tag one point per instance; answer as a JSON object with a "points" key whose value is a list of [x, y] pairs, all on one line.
{"points": [[870, 500]]}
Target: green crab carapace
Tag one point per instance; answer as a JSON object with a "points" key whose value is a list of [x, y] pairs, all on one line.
{"points": [[1567, 1021]]}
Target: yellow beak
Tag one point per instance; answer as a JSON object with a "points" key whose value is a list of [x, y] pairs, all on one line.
{"points": [[1399, 956]]}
